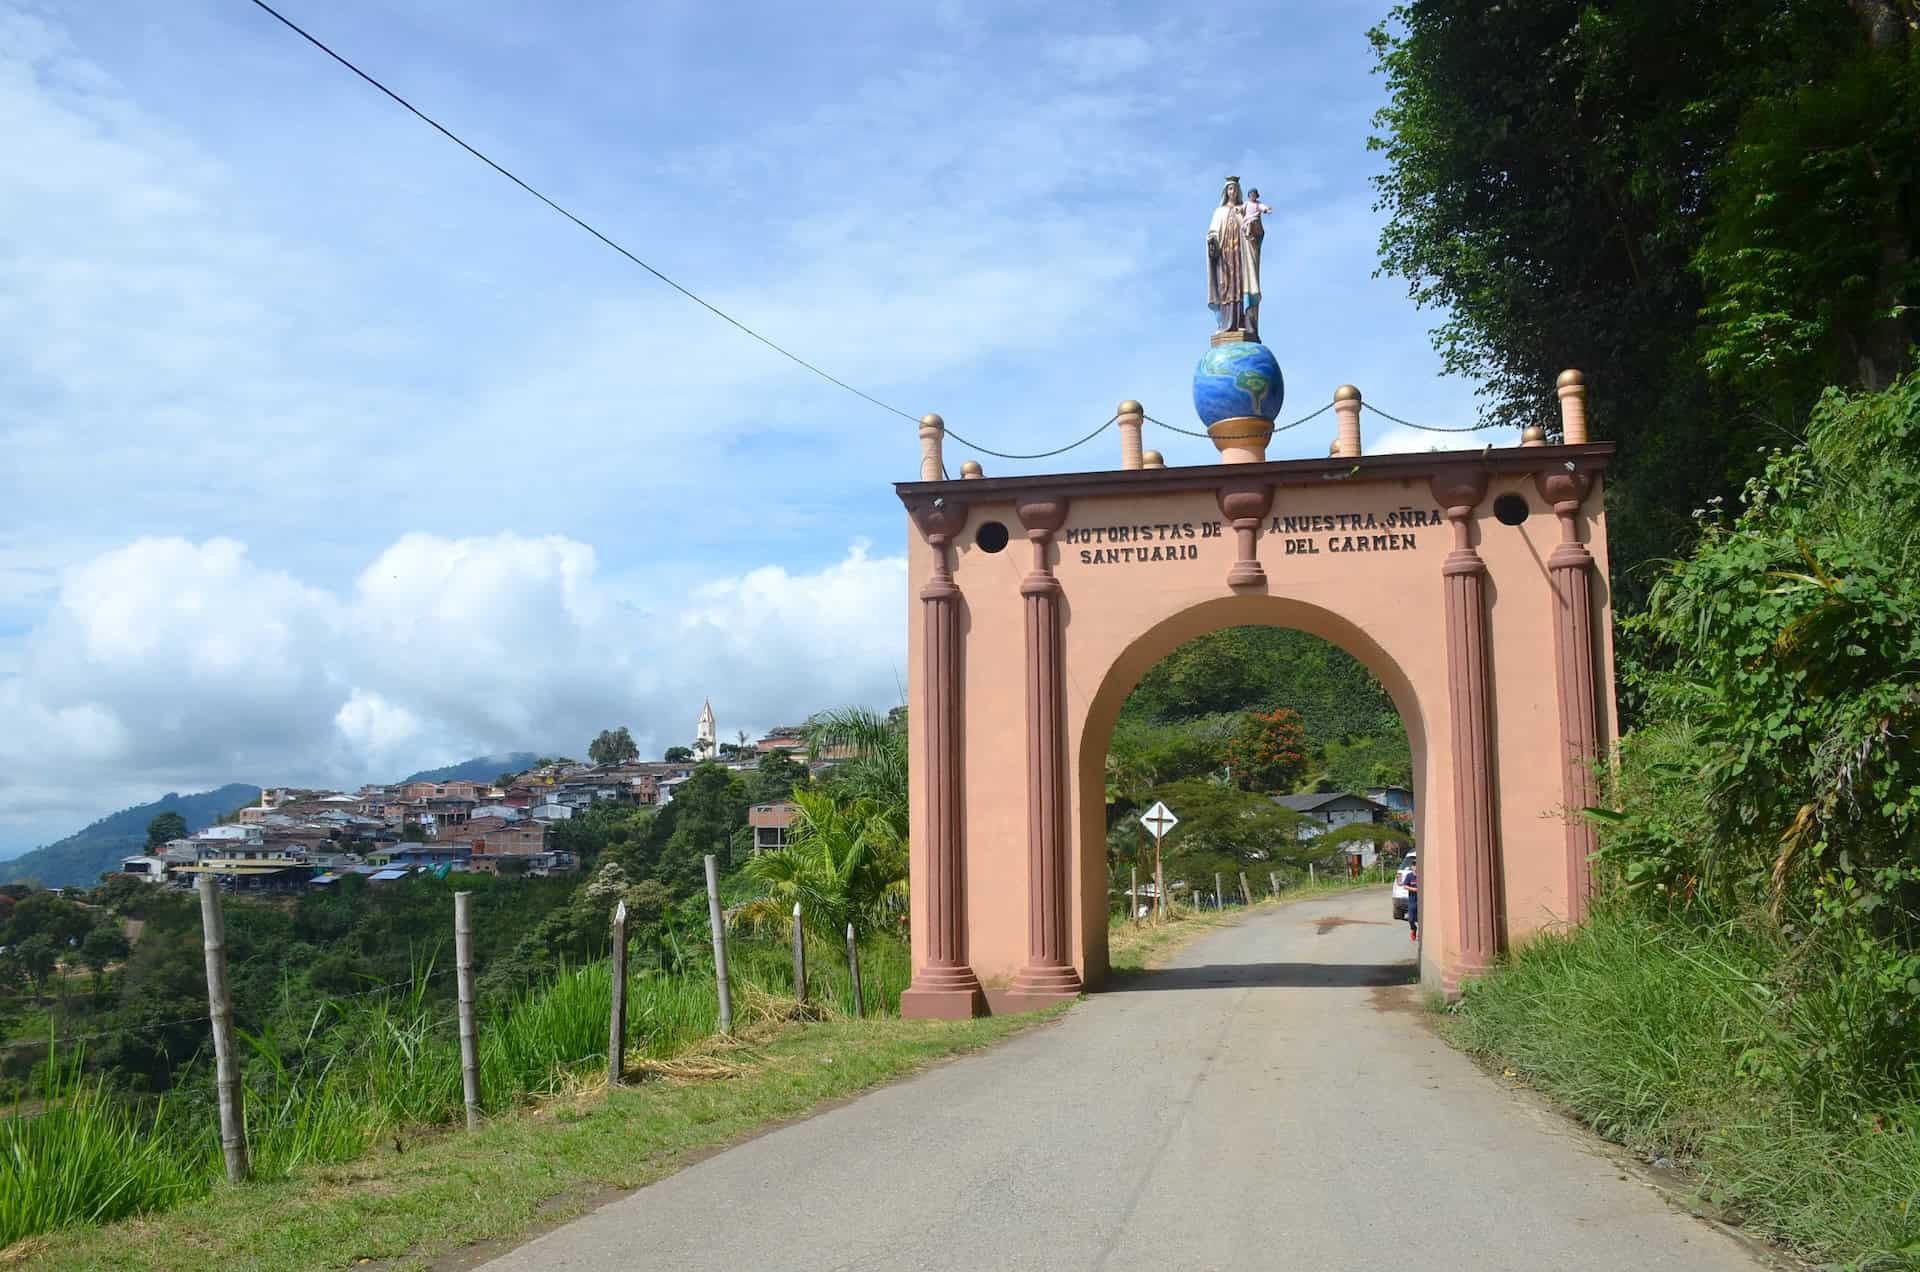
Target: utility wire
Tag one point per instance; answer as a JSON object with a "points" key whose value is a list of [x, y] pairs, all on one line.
{"points": [[444, 131], [728, 318], [22, 1044]]}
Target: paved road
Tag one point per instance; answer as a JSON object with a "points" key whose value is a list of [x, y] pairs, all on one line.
{"points": [[1273, 1101]]}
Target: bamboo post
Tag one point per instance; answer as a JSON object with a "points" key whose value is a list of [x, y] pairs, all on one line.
{"points": [[617, 1026], [719, 924], [463, 977], [233, 1127], [799, 959], [1246, 893], [853, 971]]}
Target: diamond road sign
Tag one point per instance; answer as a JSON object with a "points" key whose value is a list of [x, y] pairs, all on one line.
{"points": [[1159, 819]]}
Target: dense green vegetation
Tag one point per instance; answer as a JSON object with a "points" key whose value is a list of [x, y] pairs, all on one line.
{"points": [[344, 998], [81, 858], [1230, 719], [1710, 209], [1748, 1000]]}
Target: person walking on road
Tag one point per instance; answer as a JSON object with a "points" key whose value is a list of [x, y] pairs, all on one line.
{"points": [[1413, 904]]}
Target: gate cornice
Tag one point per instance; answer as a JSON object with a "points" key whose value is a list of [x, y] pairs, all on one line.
{"points": [[1587, 459]]}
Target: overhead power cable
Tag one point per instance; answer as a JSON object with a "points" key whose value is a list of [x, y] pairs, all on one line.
{"points": [[453, 137]]}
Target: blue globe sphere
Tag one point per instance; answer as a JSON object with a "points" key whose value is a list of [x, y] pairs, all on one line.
{"points": [[1237, 381]]}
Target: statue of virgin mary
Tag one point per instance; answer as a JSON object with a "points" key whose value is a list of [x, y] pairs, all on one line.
{"points": [[1233, 266]]}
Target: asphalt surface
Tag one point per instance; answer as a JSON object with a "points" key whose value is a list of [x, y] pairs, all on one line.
{"points": [[1274, 1100]]}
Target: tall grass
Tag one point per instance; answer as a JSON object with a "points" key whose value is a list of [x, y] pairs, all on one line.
{"points": [[1665, 1036], [363, 1067], [81, 1156]]}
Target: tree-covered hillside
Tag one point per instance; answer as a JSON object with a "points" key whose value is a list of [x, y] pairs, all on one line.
{"points": [[80, 858], [1192, 700], [483, 768]]}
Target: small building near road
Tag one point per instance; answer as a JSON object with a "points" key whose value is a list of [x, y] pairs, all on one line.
{"points": [[770, 823], [1329, 809]]}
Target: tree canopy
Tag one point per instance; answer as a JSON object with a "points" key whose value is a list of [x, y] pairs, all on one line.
{"points": [[613, 746], [1709, 209]]}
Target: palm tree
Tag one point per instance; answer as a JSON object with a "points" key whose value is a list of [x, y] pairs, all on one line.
{"points": [[869, 751], [845, 862]]}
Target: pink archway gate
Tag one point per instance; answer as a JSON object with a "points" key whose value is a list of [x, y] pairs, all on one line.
{"points": [[1472, 584]]}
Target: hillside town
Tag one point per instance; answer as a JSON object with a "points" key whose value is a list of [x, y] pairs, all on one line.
{"points": [[296, 839]]}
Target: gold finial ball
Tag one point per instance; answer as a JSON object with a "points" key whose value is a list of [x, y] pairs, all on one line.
{"points": [[1346, 393], [1152, 459], [971, 468], [1533, 435], [1333, 448], [930, 420], [1569, 378], [1131, 407]]}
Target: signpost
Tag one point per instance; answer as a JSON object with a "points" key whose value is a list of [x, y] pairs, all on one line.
{"points": [[1159, 819]]}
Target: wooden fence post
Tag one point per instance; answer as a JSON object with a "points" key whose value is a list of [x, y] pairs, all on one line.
{"points": [[1216, 890], [617, 1027], [853, 971], [718, 922], [1133, 896], [1246, 893], [1312, 878], [463, 977], [233, 1127], [799, 959], [1273, 881]]}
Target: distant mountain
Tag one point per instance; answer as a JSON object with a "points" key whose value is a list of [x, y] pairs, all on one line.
{"points": [[83, 856], [482, 768]]}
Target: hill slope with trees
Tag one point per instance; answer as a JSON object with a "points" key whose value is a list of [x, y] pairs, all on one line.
{"points": [[80, 858]]}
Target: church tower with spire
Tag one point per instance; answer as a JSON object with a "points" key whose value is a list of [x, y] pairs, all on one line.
{"points": [[705, 745]]}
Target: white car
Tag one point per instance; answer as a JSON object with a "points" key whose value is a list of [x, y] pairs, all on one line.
{"points": [[1400, 885]]}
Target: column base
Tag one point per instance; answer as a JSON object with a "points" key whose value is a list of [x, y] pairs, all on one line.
{"points": [[1046, 983], [944, 993], [1453, 975], [1037, 987]]}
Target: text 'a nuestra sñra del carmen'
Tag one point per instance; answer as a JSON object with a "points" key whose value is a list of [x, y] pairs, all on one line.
{"points": [[1305, 534]]}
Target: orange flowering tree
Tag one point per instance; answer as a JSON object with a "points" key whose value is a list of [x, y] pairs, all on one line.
{"points": [[1268, 752]]}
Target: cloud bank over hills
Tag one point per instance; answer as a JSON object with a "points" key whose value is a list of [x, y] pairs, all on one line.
{"points": [[167, 658]]}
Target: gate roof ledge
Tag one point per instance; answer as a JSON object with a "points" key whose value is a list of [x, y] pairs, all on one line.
{"points": [[1590, 457]]}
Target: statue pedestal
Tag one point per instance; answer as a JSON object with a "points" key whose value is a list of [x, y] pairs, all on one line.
{"points": [[1234, 335], [1242, 440]]}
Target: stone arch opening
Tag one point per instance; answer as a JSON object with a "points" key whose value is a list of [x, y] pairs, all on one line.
{"points": [[1147, 650]]}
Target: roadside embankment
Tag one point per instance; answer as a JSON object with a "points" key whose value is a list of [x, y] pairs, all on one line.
{"points": [[1667, 1037]]}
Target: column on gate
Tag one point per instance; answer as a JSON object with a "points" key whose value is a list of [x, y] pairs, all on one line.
{"points": [[1570, 570], [1476, 833], [944, 987], [1048, 974]]}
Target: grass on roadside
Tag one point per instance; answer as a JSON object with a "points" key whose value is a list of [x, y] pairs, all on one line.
{"points": [[1662, 1037], [524, 1170]]}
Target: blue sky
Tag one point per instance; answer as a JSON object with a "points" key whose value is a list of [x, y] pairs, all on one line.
{"points": [[332, 455]]}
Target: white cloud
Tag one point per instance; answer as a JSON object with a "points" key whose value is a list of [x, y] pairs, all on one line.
{"points": [[166, 664]]}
